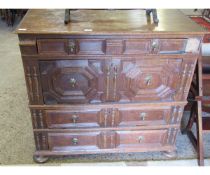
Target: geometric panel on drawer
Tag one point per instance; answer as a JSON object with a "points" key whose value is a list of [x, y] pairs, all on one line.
{"points": [[151, 79], [72, 81]]}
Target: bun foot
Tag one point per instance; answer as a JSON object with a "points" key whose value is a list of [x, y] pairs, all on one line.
{"points": [[40, 159], [170, 154]]}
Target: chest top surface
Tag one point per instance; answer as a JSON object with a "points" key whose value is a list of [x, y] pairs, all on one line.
{"points": [[107, 22]]}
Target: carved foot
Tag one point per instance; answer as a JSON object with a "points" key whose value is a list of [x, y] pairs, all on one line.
{"points": [[40, 159], [170, 154]]}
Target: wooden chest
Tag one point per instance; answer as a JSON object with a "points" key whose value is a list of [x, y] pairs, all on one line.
{"points": [[110, 81]]}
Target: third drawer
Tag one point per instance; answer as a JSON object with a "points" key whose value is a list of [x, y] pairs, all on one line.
{"points": [[106, 117]]}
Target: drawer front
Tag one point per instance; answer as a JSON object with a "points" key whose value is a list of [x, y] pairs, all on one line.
{"points": [[76, 119], [116, 80], [107, 117], [112, 140], [116, 46]]}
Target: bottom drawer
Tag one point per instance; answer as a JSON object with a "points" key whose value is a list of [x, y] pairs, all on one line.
{"points": [[115, 140]]}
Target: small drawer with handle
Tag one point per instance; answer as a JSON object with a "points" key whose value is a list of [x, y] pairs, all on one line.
{"points": [[72, 119], [175, 46], [56, 46], [138, 117], [73, 141], [139, 139]]}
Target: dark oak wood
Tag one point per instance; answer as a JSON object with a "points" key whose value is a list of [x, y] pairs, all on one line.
{"points": [[107, 85], [121, 116], [113, 80], [98, 21]]}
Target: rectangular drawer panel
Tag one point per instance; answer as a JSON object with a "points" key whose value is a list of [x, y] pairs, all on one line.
{"points": [[69, 119], [126, 139], [170, 46], [91, 46], [73, 141], [53, 46], [136, 117], [115, 140], [137, 46]]}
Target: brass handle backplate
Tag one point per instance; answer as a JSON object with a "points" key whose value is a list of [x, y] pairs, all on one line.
{"points": [[73, 82], [72, 47], [74, 141], [74, 118], [154, 45], [142, 115], [148, 80], [140, 139]]}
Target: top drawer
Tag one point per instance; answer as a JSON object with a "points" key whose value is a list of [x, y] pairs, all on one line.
{"points": [[71, 47], [55, 47]]}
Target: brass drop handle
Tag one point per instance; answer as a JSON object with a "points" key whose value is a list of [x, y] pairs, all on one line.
{"points": [[74, 141], [142, 115], [140, 139], [148, 80], [74, 118], [72, 47], [154, 45], [115, 70], [73, 82]]}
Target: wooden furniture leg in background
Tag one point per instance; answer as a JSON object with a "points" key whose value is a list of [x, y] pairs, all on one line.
{"points": [[196, 113]]}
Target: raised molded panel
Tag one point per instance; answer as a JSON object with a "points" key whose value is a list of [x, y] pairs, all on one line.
{"points": [[149, 139], [150, 79], [137, 46], [91, 46], [53, 46], [73, 119], [75, 81], [139, 117], [114, 46]]}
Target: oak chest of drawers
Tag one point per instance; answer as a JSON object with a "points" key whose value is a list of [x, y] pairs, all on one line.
{"points": [[102, 85]]}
